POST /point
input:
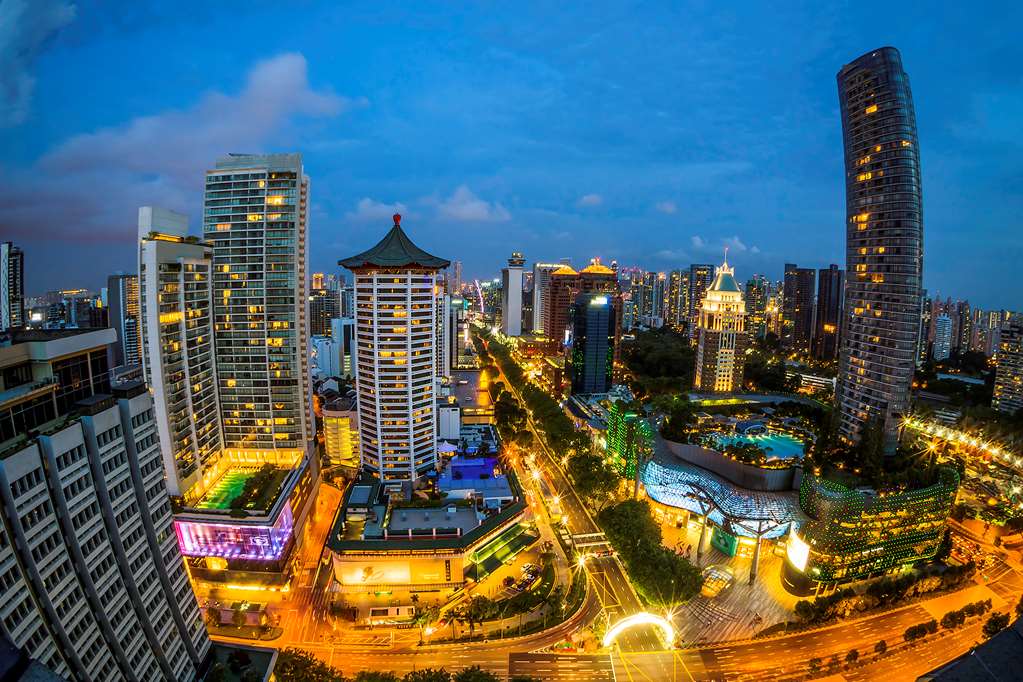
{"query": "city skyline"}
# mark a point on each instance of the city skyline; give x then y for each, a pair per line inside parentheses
(354, 131)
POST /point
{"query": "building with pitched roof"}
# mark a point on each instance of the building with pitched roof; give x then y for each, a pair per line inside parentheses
(722, 340)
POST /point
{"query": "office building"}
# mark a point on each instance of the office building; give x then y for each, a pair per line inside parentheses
(700, 276)
(721, 335)
(797, 308)
(93, 586)
(561, 291)
(942, 348)
(1008, 393)
(256, 211)
(174, 302)
(828, 319)
(923, 345)
(453, 278)
(884, 244)
(511, 296)
(456, 336)
(396, 320)
(758, 290)
(541, 291)
(591, 358)
(12, 281)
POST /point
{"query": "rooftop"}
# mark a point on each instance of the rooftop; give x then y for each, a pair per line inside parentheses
(395, 250)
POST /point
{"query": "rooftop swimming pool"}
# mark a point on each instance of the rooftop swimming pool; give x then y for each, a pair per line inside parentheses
(777, 445)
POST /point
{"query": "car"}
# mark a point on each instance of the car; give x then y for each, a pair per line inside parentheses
(509, 581)
(530, 568)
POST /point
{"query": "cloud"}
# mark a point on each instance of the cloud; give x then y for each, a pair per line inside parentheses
(668, 207)
(698, 242)
(672, 254)
(590, 200)
(368, 210)
(25, 28)
(90, 186)
(182, 143)
(464, 206)
(735, 244)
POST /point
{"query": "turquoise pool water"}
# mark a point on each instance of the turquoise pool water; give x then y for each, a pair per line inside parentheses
(776, 445)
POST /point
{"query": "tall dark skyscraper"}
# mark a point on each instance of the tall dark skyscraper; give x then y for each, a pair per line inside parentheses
(797, 308)
(700, 276)
(591, 360)
(884, 244)
(828, 321)
(123, 298)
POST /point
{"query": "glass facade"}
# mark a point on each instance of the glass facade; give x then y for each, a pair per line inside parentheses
(235, 541)
(884, 244)
(591, 359)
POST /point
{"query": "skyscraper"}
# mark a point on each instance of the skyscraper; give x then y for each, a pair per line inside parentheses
(757, 292)
(396, 319)
(678, 295)
(1008, 393)
(12, 287)
(123, 297)
(797, 308)
(93, 582)
(591, 359)
(541, 290)
(255, 217)
(942, 347)
(454, 278)
(324, 306)
(175, 300)
(884, 244)
(828, 320)
(700, 276)
(721, 335)
(511, 295)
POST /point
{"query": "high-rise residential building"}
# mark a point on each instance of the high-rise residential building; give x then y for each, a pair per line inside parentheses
(639, 298)
(700, 277)
(396, 321)
(942, 347)
(655, 286)
(561, 291)
(12, 287)
(884, 244)
(757, 292)
(591, 358)
(678, 295)
(456, 335)
(317, 281)
(93, 584)
(721, 335)
(256, 210)
(828, 320)
(541, 285)
(963, 327)
(923, 343)
(123, 311)
(511, 295)
(324, 306)
(1008, 393)
(174, 302)
(797, 308)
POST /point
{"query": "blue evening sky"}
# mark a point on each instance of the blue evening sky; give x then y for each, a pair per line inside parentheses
(653, 133)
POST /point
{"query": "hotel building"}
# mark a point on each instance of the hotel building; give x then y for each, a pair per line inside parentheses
(1008, 394)
(511, 296)
(721, 335)
(397, 315)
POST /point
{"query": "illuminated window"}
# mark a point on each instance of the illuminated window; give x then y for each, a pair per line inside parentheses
(865, 159)
(864, 176)
(223, 226)
(276, 200)
(253, 217)
(907, 143)
(871, 109)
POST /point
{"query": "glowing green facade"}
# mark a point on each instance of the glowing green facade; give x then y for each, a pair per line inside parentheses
(629, 439)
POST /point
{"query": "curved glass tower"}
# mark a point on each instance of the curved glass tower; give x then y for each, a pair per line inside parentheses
(884, 244)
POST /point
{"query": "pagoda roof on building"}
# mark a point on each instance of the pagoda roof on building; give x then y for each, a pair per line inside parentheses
(565, 270)
(597, 269)
(395, 250)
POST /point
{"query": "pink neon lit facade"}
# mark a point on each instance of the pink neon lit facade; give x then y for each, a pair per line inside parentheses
(236, 541)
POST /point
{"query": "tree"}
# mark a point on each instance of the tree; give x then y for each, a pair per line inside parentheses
(1019, 607)
(427, 675)
(815, 664)
(239, 617)
(217, 673)
(594, 479)
(374, 676)
(295, 665)
(995, 623)
(852, 657)
(425, 617)
(212, 617)
(880, 647)
(474, 611)
(475, 674)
